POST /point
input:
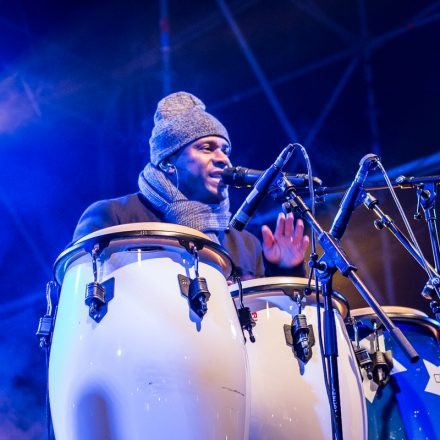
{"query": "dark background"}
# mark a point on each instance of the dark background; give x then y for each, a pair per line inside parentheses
(79, 83)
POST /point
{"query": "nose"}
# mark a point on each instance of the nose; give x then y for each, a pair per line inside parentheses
(221, 159)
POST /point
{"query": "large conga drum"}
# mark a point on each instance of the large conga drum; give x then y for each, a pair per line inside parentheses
(145, 365)
(408, 405)
(288, 395)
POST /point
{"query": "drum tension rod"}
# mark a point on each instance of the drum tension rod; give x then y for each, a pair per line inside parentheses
(244, 313)
(195, 289)
(95, 292)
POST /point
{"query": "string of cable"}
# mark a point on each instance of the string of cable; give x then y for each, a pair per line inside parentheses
(405, 220)
(312, 274)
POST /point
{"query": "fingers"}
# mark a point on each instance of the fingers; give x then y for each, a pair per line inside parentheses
(268, 238)
(288, 228)
(305, 243)
(281, 224)
(298, 234)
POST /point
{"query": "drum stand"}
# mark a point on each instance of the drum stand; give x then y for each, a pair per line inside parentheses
(333, 259)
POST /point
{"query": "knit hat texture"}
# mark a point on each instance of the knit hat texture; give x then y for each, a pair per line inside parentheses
(180, 119)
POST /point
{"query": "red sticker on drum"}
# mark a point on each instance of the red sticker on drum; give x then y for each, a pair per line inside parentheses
(255, 316)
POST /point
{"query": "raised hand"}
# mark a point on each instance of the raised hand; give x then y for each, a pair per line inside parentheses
(287, 246)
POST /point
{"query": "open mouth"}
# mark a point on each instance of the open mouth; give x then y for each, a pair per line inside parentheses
(216, 176)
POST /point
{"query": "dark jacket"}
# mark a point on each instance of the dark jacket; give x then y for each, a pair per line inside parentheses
(243, 247)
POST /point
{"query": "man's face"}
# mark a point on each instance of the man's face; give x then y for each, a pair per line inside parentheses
(199, 166)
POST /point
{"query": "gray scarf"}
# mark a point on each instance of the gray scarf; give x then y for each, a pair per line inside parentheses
(168, 199)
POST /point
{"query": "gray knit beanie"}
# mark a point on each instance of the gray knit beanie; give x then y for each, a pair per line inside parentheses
(180, 119)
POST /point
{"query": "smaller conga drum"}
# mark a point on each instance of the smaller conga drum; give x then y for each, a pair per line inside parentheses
(408, 405)
(145, 365)
(288, 395)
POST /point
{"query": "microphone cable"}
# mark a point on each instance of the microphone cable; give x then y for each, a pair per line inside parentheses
(407, 225)
(312, 274)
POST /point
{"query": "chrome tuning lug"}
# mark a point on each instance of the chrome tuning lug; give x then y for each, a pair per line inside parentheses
(382, 361)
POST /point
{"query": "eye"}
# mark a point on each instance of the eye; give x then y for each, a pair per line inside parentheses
(227, 150)
(205, 148)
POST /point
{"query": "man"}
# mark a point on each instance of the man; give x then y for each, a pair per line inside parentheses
(181, 184)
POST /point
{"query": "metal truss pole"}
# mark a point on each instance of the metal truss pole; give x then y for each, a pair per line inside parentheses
(332, 101)
(258, 72)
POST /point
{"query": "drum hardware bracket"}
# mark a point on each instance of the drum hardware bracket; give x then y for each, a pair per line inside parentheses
(300, 337)
(244, 313)
(95, 292)
(191, 245)
(246, 321)
(292, 293)
(196, 290)
(197, 293)
(364, 360)
(363, 356)
(44, 332)
(382, 366)
(46, 322)
(184, 284)
(382, 361)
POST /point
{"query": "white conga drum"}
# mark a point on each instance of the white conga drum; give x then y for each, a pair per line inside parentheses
(147, 366)
(288, 395)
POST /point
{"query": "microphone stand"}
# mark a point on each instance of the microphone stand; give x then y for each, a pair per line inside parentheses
(401, 182)
(384, 220)
(426, 194)
(333, 259)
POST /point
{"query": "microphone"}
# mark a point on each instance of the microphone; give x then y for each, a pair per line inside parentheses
(250, 205)
(241, 176)
(349, 201)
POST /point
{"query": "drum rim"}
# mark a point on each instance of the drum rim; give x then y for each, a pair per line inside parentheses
(341, 303)
(403, 314)
(153, 230)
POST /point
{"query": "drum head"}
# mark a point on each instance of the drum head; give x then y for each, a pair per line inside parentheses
(145, 237)
(290, 286)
